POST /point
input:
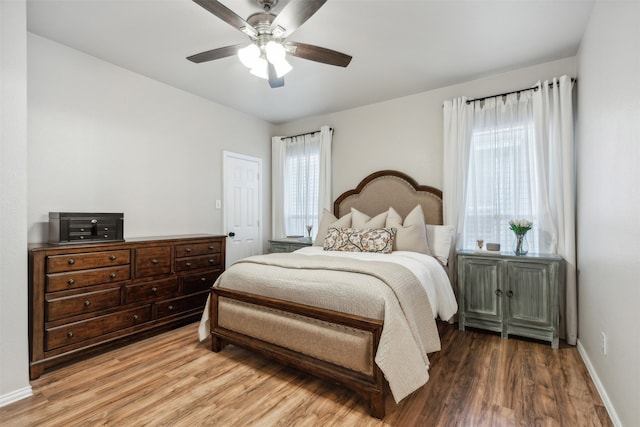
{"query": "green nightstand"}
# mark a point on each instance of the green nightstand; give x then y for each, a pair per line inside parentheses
(288, 245)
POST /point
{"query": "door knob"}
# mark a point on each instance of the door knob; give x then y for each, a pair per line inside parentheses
(231, 234)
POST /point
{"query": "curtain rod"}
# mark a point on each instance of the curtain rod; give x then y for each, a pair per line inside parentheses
(303, 134)
(469, 101)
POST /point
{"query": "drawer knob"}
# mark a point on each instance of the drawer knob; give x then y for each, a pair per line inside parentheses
(154, 290)
(211, 261)
(87, 303)
(154, 261)
(81, 237)
(71, 281)
(106, 236)
(69, 334)
(498, 292)
(204, 279)
(509, 294)
(187, 250)
(71, 260)
(94, 221)
(82, 229)
(211, 247)
(113, 275)
(135, 317)
(170, 307)
(188, 264)
(106, 229)
(112, 257)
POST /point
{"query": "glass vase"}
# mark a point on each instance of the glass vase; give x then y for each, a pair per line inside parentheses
(520, 244)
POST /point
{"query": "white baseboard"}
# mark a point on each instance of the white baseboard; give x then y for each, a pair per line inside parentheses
(15, 395)
(601, 390)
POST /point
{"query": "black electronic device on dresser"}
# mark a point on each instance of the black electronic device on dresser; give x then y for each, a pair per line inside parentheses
(81, 227)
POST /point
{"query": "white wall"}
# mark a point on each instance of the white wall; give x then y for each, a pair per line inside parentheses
(406, 133)
(609, 202)
(14, 351)
(104, 139)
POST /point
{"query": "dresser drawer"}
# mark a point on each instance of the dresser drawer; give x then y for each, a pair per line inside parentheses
(80, 331)
(181, 305)
(86, 261)
(167, 288)
(199, 282)
(79, 279)
(59, 308)
(153, 261)
(198, 249)
(195, 262)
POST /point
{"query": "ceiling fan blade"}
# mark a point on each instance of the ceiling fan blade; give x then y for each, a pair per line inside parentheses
(274, 80)
(295, 14)
(318, 54)
(228, 16)
(210, 55)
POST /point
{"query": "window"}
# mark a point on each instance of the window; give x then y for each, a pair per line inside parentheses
(301, 180)
(501, 184)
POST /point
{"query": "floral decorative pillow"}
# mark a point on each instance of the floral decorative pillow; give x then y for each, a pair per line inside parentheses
(378, 240)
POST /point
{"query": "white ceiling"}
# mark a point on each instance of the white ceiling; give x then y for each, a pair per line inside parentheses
(398, 47)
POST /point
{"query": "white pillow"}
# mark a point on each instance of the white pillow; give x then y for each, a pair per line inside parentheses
(411, 234)
(329, 220)
(362, 220)
(440, 238)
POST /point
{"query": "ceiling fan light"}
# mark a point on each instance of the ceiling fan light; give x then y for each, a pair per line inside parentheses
(282, 67)
(249, 55)
(275, 52)
(260, 69)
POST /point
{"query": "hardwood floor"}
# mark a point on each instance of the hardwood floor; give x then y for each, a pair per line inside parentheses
(477, 379)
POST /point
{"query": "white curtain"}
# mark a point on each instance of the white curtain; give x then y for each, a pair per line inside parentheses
(457, 143)
(301, 180)
(520, 145)
(554, 123)
(325, 195)
(277, 187)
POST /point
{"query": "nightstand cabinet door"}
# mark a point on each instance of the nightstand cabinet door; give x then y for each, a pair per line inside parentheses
(532, 303)
(482, 294)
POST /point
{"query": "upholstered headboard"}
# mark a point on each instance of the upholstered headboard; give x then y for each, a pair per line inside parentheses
(389, 188)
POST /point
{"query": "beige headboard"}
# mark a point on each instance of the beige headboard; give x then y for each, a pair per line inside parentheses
(382, 189)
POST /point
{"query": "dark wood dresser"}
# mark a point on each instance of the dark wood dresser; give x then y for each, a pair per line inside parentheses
(84, 298)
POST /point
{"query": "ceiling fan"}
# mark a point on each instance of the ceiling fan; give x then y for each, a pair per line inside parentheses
(266, 55)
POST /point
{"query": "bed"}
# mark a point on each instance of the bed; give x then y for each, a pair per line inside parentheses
(356, 318)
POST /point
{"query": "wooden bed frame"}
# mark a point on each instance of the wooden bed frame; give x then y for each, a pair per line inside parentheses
(372, 196)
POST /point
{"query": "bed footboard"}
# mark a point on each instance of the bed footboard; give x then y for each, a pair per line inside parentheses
(324, 343)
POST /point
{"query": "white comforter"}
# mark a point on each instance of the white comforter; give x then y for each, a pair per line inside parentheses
(426, 268)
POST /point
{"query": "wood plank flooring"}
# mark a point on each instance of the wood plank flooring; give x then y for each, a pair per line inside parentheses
(477, 379)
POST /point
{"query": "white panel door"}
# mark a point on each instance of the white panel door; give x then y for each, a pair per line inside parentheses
(242, 205)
